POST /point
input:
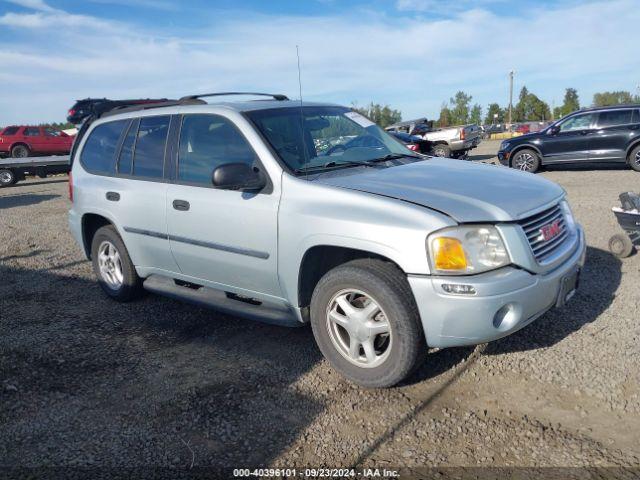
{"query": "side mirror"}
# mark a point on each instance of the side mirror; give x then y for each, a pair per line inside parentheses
(237, 176)
(554, 130)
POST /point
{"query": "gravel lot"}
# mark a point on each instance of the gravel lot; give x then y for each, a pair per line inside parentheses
(85, 381)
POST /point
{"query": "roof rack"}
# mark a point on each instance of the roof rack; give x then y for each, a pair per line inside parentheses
(275, 96)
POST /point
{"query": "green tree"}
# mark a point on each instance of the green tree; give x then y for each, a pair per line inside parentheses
(604, 99)
(571, 103)
(493, 110)
(530, 108)
(476, 115)
(445, 116)
(383, 115)
(460, 108)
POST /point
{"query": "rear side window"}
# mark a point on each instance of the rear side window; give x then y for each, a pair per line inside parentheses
(148, 157)
(31, 132)
(99, 150)
(206, 142)
(10, 130)
(615, 117)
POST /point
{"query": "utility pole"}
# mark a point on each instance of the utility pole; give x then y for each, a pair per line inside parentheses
(511, 99)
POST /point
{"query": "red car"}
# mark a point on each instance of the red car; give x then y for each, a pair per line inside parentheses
(25, 141)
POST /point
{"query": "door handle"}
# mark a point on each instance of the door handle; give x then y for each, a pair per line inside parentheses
(181, 205)
(113, 196)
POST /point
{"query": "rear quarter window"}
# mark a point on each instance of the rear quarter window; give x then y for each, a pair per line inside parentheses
(98, 153)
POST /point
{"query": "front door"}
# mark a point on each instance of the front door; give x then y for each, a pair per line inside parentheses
(571, 143)
(225, 237)
(611, 137)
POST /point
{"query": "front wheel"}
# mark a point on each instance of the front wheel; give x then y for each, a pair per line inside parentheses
(634, 159)
(7, 177)
(526, 160)
(113, 267)
(366, 323)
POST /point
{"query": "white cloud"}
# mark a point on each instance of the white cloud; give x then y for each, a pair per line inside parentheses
(33, 5)
(411, 63)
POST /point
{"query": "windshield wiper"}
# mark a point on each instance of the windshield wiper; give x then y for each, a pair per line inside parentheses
(394, 156)
(333, 164)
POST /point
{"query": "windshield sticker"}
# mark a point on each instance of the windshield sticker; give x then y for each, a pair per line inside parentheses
(361, 120)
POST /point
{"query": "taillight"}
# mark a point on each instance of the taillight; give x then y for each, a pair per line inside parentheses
(414, 147)
(462, 134)
(71, 187)
(72, 112)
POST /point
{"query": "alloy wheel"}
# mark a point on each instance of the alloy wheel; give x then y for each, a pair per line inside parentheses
(524, 161)
(110, 265)
(358, 328)
(637, 159)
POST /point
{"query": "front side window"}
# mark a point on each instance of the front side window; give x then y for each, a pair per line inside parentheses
(579, 122)
(31, 132)
(206, 142)
(148, 157)
(615, 117)
(318, 136)
(99, 150)
(52, 132)
(10, 131)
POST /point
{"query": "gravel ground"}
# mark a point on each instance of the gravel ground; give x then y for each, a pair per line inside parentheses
(85, 381)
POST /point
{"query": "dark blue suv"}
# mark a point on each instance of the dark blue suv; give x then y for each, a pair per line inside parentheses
(598, 135)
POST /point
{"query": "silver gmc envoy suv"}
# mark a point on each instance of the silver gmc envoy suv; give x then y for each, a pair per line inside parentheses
(291, 212)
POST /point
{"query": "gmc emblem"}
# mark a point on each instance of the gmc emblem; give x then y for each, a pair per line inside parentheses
(551, 230)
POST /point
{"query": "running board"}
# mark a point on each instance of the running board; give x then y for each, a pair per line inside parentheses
(225, 302)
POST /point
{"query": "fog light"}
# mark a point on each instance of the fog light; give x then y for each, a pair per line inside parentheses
(458, 289)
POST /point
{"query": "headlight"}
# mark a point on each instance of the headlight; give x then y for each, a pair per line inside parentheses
(568, 216)
(504, 145)
(466, 250)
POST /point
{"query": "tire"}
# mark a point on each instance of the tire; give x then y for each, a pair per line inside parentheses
(620, 245)
(20, 151)
(390, 357)
(634, 159)
(441, 150)
(7, 177)
(526, 160)
(113, 267)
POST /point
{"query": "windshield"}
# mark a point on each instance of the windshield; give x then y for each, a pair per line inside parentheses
(310, 137)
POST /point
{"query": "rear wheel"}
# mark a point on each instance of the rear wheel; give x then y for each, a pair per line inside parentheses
(7, 177)
(366, 323)
(441, 150)
(526, 160)
(113, 267)
(20, 151)
(634, 159)
(620, 245)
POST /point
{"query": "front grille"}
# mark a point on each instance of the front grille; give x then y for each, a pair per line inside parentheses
(541, 248)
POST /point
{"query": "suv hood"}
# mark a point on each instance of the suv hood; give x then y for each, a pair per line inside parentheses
(467, 192)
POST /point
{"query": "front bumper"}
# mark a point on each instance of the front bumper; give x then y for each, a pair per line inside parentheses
(451, 320)
(503, 157)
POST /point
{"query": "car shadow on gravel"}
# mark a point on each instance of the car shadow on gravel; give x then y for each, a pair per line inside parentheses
(92, 382)
(599, 282)
(23, 200)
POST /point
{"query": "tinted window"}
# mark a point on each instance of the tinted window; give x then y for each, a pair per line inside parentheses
(125, 161)
(100, 148)
(615, 117)
(10, 131)
(51, 132)
(206, 142)
(31, 132)
(148, 159)
(578, 122)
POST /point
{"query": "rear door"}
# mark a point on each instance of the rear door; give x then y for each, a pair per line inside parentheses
(34, 138)
(612, 134)
(572, 142)
(225, 237)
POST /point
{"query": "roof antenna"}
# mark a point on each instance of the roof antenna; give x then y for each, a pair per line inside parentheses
(304, 143)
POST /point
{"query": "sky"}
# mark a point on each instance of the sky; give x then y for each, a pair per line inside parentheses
(410, 54)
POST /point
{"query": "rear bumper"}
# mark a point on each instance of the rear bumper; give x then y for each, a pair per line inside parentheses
(75, 225)
(451, 320)
(457, 145)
